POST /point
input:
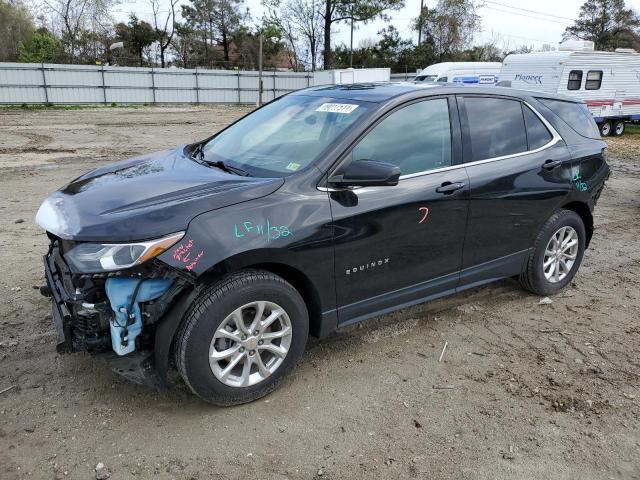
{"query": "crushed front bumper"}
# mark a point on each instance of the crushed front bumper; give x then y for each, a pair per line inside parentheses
(81, 314)
(59, 310)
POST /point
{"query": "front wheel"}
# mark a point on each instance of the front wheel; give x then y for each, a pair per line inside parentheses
(242, 336)
(556, 254)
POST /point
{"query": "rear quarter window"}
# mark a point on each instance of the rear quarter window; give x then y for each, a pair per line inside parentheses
(576, 115)
(537, 134)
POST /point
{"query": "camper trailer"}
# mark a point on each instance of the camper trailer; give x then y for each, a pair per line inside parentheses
(485, 73)
(608, 82)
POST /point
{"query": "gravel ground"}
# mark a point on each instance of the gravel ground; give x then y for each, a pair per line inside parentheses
(524, 390)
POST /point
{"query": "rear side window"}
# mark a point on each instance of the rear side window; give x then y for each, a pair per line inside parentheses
(496, 127)
(415, 138)
(576, 115)
(594, 80)
(537, 134)
(575, 80)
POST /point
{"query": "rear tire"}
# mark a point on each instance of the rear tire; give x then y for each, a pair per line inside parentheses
(556, 254)
(227, 351)
(605, 128)
(618, 128)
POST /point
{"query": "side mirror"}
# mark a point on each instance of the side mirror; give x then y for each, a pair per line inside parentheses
(367, 173)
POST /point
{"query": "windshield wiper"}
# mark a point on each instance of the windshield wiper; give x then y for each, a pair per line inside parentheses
(227, 168)
(198, 154)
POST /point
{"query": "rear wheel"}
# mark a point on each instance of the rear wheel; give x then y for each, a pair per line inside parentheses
(556, 255)
(242, 337)
(605, 128)
(618, 128)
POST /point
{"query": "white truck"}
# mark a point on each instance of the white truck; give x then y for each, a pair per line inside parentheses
(346, 76)
(608, 82)
(485, 73)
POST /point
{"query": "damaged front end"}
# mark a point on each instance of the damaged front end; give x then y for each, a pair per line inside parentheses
(111, 312)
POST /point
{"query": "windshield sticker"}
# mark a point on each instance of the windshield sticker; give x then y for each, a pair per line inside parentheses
(293, 166)
(336, 108)
(268, 230)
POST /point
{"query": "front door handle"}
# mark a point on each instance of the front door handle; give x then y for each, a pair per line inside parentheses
(448, 188)
(551, 164)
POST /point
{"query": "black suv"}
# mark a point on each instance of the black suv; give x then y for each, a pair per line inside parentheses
(321, 209)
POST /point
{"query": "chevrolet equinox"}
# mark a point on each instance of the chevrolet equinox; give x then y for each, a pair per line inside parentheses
(323, 208)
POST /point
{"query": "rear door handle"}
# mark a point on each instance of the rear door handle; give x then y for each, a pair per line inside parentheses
(551, 164)
(448, 188)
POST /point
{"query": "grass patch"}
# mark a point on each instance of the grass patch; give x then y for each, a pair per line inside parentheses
(49, 106)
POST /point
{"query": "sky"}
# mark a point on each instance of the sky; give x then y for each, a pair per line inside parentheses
(510, 23)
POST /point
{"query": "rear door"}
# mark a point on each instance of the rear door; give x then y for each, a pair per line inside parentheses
(395, 245)
(519, 172)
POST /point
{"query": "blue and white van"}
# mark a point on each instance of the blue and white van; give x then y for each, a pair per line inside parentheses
(485, 73)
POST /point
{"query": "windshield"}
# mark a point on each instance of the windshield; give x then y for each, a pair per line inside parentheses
(284, 136)
(426, 78)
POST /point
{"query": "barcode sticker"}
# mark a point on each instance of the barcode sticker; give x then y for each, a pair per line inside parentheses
(337, 107)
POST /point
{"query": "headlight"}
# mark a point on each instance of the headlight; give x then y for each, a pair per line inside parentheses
(104, 257)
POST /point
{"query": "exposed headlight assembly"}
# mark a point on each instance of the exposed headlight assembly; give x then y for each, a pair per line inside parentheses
(107, 257)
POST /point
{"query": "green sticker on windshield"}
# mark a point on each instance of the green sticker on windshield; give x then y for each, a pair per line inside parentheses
(293, 166)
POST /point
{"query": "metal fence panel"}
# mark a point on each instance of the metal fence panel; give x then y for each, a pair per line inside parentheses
(69, 84)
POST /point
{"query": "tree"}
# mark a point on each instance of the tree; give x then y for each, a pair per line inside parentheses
(217, 21)
(186, 45)
(360, 11)
(450, 26)
(16, 26)
(607, 23)
(164, 31)
(301, 26)
(72, 16)
(137, 36)
(42, 47)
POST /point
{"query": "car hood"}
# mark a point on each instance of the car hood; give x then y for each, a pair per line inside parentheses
(144, 197)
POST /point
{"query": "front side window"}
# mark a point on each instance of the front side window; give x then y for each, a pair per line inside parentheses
(575, 80)
(284, 136)
(537, 134)
(594, 80)
(415, 138)
(443, 79)
(496, 127)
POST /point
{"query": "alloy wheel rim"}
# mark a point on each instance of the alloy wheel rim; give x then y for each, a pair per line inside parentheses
(561, 254)
(250, 344)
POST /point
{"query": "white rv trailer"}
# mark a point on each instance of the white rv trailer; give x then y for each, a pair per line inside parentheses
(461, 72)
(608, 82)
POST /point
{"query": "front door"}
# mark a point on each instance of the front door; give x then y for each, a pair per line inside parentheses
(396, 245)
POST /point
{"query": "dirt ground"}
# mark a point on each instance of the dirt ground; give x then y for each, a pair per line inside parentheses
(524, 390)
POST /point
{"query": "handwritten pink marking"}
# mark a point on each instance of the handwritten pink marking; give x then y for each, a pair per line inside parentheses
(426, 212)
(183, 254)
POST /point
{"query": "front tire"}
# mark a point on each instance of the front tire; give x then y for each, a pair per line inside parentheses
(556, 255)
(241, 337)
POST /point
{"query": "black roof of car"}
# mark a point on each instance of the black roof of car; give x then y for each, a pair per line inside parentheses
(381, 92)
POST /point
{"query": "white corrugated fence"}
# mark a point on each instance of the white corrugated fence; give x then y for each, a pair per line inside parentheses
(34, 83)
